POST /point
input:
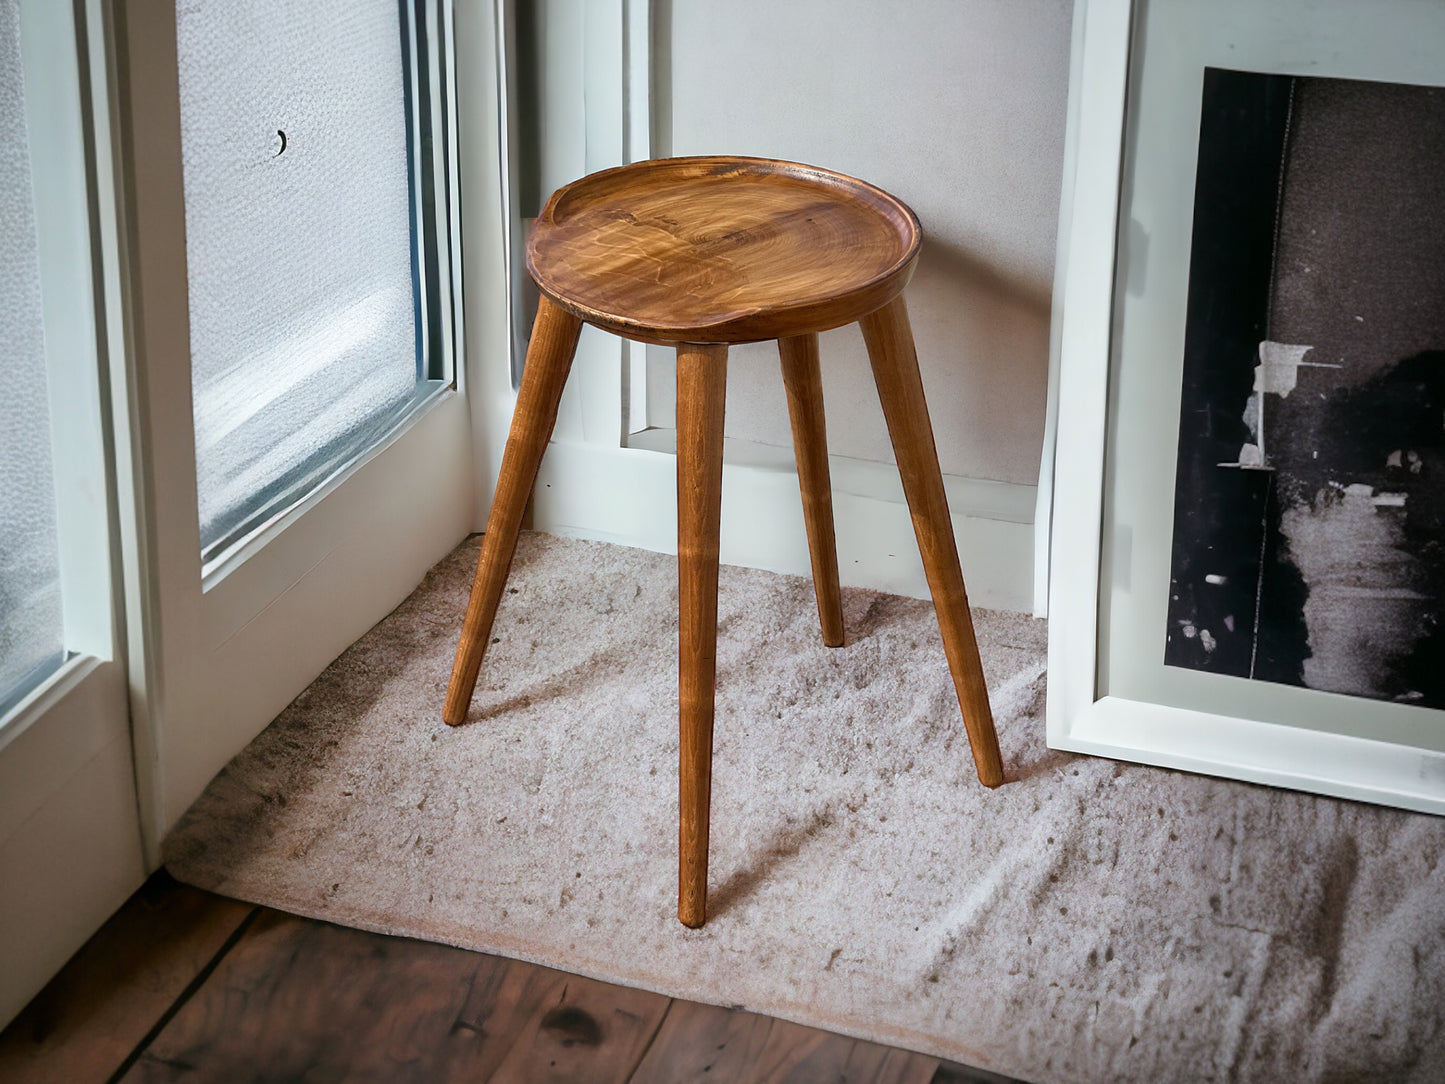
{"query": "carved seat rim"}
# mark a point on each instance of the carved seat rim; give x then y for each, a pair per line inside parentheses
(784, 317)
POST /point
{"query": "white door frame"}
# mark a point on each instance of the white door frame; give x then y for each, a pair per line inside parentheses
(216, 657)
(70, 842)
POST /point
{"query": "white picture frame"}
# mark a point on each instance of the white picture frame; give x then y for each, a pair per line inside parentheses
(1382, 752)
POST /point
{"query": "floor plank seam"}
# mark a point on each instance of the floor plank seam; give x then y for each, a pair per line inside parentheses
(184, 996)
(661, 1023)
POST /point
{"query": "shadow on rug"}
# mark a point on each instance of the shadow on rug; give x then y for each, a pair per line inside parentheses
(1088, 921)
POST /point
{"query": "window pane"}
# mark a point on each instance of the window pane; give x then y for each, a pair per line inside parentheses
(30, 622)
(299, 245)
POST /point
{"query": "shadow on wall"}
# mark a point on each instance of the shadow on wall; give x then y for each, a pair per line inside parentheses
(983, 348)
(971, 275)
(983, 345)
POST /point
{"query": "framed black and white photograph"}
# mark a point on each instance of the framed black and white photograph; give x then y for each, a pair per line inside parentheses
(1309, 502)
(1248, 537)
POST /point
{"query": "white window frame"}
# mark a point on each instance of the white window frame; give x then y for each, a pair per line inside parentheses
(79, 776)
(66, 770)
(217, 653)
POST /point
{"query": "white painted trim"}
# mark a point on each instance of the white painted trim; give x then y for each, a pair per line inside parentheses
(70, 842)
(51, 905)
(976, 497)
(443, 59)
(1279, 756)
(126, 418)
(487, 172)
(604, 84)
(1044, 513)
(36, 705)
(57, 151)
(629, 496)
(596, 385)
(220, 663)
(1084, 359)
(1078, 717)
(606, 397)
(637, 72)
(241, 588)
(637, 147)
(53, 731)
(234, 560)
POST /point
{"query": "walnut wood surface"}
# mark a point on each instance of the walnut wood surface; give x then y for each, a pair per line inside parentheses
(301, 1000)
(803, 382)
(721, 249)
(701, 392)
(795, 1054)
(900, 389)
(105, 1001)
(549, 359)
(706, 1044)
(581, 1029)
(298, 1000)
(185, 985)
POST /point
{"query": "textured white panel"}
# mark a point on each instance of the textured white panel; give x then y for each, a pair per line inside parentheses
(299, 259)
(30, 629)
(958, 108)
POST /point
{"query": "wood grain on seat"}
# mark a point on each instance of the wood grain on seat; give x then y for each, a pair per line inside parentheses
(721, 249)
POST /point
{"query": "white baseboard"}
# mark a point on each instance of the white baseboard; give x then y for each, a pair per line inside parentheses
(629, 496)
(70, 845)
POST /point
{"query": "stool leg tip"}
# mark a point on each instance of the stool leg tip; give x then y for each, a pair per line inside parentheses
(992, 779)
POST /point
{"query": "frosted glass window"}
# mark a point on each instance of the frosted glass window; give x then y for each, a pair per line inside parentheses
(30, 619)
(299, 245)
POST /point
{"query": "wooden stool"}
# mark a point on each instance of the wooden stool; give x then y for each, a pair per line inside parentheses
(698, 253)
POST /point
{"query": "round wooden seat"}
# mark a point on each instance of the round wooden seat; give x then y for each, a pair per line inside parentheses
(722, 249)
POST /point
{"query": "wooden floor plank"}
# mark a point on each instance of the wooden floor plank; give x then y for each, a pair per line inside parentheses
(221, 990)
(296, 998)
(950, 1072)
(704, 1043)
(888, 1065)
(582, 1030)
(727, 1046)
(500, 1002)
(94, 1013)
(795, 1054)
(522, 1013)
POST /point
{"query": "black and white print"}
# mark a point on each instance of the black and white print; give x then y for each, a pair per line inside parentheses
(1309, 515)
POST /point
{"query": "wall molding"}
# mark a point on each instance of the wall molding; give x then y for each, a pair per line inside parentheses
(629, 496)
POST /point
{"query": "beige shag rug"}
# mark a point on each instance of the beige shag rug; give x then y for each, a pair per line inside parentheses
(1089, 921)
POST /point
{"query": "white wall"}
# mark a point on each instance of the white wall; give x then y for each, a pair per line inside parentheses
(957, 107)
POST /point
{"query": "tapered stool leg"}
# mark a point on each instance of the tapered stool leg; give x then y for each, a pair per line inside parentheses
(804, 384)
(549, 358)
(701, 390)
(895, 369)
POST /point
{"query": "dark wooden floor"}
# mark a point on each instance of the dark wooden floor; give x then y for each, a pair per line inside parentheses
(184, 985)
